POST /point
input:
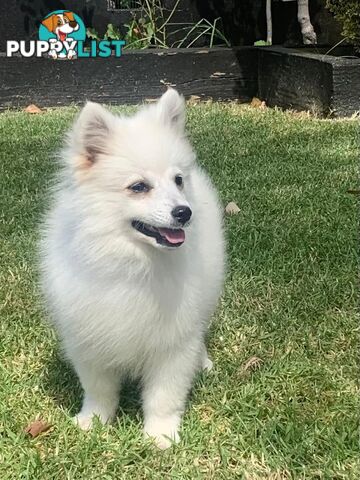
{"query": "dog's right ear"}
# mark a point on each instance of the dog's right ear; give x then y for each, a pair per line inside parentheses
(90, 135)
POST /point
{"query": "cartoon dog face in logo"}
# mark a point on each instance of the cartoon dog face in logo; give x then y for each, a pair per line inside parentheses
(61, 25)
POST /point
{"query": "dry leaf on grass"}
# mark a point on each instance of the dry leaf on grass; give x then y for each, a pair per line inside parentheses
(253, 363)
(37, 427)
(33, 109)
(257, 103)
(232, 209)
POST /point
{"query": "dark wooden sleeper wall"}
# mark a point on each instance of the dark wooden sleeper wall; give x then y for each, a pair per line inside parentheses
(283, 77)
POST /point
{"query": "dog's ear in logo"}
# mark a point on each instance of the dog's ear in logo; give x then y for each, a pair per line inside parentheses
(50, 23)
(73, 23)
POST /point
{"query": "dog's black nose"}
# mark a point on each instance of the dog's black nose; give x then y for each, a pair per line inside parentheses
(182, 214)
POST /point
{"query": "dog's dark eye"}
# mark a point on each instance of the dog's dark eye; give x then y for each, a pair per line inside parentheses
(139, 187)
(179, 180)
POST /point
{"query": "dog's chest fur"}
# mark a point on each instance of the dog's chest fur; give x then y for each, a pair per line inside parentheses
(129, 319)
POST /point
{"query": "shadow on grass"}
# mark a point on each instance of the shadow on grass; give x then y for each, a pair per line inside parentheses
(63, 386)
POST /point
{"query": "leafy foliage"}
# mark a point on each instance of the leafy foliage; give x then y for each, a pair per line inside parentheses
(348, 13)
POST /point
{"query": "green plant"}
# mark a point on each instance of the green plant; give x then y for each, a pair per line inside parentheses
(149, 28)
(203, 28)
(92, 34)
(112, 33)
(348, 14)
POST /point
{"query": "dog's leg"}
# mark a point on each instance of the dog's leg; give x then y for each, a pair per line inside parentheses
(207, 364)
(101, 395)
(53, 54)
(70, 47)
(166, 385)
(71, 54)
(52, 51)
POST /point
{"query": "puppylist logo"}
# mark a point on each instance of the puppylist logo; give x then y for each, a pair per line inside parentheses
(62, 35)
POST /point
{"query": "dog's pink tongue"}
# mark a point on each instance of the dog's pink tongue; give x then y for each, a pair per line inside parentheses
(173, 236)
(62, 36)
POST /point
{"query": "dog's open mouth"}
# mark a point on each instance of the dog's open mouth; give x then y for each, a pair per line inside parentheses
(62, 36)
(169, 237)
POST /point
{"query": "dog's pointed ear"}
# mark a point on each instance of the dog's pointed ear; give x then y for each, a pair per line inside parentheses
(49, 23)
(171, 109)
(70, 16)
(91, 132)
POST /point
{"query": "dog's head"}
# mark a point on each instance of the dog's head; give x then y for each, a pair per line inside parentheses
(61, 24)
(134, 173)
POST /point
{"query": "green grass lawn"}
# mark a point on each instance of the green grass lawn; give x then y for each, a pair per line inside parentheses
(290, 300)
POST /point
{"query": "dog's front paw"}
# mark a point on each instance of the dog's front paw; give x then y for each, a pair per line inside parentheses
(207, 364)
(164, 432)
(83, 420)
(71, 54)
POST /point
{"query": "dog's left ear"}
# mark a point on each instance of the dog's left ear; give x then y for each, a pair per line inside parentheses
(171, 109)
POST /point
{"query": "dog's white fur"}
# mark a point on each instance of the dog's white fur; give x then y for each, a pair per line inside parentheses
(122, 303)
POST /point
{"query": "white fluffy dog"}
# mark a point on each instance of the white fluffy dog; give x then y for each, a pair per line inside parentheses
(133, 261)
